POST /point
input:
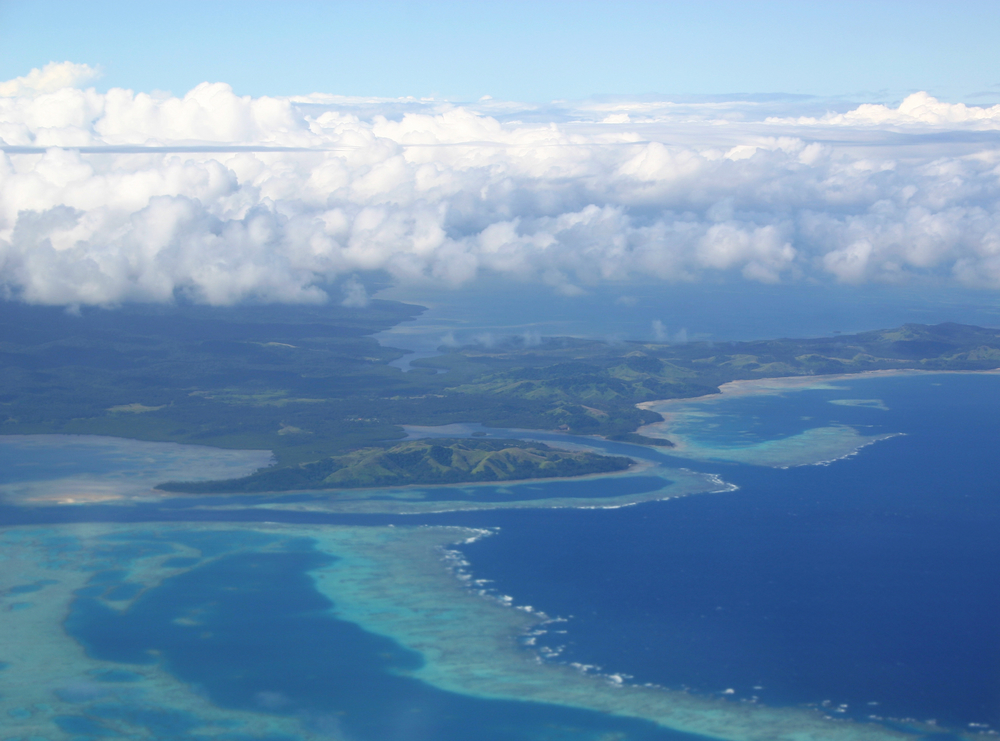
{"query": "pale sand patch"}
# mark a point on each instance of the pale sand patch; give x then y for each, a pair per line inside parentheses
(866, 403)
(134, 408)
(132, 467)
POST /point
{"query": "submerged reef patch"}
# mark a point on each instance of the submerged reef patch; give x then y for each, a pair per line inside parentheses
(729, 426)
(869, 403)
(382, 611)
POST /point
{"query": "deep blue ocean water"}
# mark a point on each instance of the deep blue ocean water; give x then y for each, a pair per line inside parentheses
(869, 580)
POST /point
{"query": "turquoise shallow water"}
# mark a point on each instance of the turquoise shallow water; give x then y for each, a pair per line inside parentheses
(250, 630)
(48, 457)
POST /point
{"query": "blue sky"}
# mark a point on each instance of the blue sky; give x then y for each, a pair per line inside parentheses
(528, 51)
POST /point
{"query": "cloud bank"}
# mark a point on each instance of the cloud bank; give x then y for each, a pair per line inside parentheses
(221, 198)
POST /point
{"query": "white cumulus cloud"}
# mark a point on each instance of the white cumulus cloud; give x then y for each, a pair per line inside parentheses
(916, 109)
(50, 78)
(128, 196)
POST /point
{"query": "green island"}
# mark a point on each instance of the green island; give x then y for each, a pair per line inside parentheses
(310, 384)
(438, 461)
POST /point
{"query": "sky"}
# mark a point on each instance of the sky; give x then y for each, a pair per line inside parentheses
(527, 51)
(223, 152)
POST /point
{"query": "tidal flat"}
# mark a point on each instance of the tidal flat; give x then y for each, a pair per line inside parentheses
(81, 469)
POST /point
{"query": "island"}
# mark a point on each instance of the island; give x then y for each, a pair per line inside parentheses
(435, 461)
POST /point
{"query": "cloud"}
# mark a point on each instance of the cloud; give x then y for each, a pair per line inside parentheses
(659, 331)
(50, 78)
(917, 109)
(355, 295)
(267, 199)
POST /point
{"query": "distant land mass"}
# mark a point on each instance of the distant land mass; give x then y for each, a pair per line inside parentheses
(435, 461)
(310, 384)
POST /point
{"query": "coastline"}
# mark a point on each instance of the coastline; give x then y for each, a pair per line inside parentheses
(835, 443)
(118, 487)
(776, 384)
(814, 446)
(677, 482)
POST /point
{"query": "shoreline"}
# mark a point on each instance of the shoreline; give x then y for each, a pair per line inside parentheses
(677, 482)
(54, 439)
(750, 386)
(814, 446)
(89, 492)
(88, 489)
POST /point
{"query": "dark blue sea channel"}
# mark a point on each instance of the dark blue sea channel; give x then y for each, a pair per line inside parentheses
(870, 582)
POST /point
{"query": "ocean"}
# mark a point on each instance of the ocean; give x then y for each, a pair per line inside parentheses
(866, 586)
(863, 586)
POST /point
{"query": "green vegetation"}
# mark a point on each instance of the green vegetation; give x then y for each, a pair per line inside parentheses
(310, 384)
(435, 461)
(591, 387)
